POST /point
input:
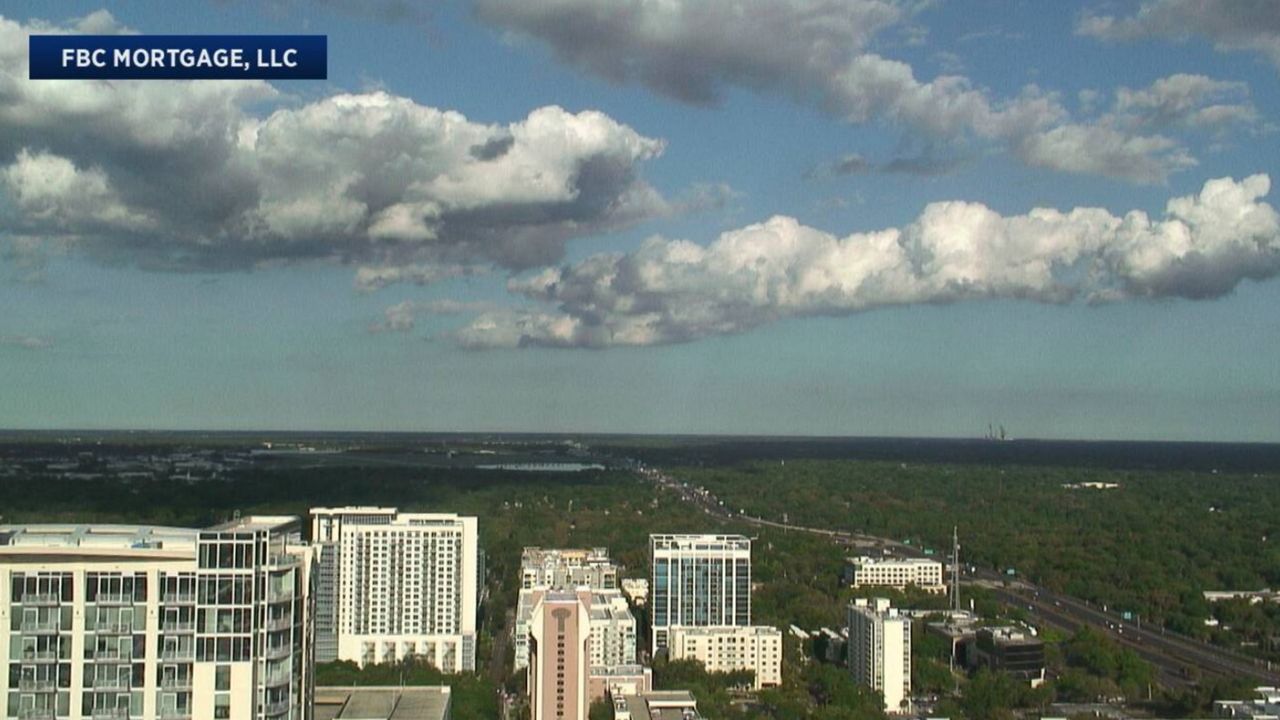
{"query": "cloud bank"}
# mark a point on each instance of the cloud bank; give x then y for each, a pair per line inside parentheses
(1240, 25)
(674, 291)
(195, 176)
(819, 53)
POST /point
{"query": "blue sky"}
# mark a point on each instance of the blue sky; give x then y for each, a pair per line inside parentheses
(781, 217)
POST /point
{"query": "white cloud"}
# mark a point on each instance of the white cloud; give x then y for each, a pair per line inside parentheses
(817, 52)
(1194, 100)
(671, 291)
(403, 316)
(191, 175)
(1240, 25)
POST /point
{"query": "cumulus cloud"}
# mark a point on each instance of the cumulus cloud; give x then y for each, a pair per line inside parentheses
(818, 52)
(1242, 25)
(403, 316)
(1184, 99)
(195, 176)
(673, 291)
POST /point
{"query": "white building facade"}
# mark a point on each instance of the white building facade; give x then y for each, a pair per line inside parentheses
(895, 573)
(757, 648)
(699, 581)
(396, 585)
(880, 650)
(114, 621)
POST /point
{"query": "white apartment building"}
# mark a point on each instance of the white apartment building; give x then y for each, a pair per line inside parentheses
(699, 581)
(880, 650)
(613, 627)
(895, 573)
(156, 623)
(568, 568)
(613, 630)
(396, 585)
(757, 648)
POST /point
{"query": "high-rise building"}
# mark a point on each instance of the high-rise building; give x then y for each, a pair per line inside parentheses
(880, 650)
(699, 581)
(156, 623)
(396, 585)
(757, 648)
(559, 655)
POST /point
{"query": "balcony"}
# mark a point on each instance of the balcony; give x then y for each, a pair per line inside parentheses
(109, 655)
(109, 683)
(178, 599)
(115, 628)
(279, 596)
(113, 599)
(41, 599)
(178, 654)
(175, 683)
(46, 627)
(34, 685)
(273, 709)
(116, 713)
(178, 627)
(40, 656)
(276, 624)
(279, 652)
(277, 679)
(36, 714)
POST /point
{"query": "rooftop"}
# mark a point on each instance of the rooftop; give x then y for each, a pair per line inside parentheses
(97, 536)
(255, 523)
(385, 703)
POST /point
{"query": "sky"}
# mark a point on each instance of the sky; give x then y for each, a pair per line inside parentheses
(779, 217)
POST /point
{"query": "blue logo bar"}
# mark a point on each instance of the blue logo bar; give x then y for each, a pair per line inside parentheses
(179, 57)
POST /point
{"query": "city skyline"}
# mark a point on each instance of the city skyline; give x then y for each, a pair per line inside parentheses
(871, 218)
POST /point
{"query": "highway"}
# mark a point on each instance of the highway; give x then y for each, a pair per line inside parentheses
(1179, 660)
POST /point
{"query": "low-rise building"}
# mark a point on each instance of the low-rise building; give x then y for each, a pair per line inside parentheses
(757, 648)
(1009, 650)
(894, 572)
(657, 705)
(637, 589)
(1266, 706)
(615, 680)
(383, 703)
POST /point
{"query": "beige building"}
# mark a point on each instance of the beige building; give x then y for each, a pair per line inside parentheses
(757, 648)
(880, 650)
(116, 621)
(395, 585)
(895, 573)
(559, 651)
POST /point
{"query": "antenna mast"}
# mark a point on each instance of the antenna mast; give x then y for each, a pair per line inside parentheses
(955, 568)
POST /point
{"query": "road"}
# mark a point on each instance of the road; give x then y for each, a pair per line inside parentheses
(1179, 660)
